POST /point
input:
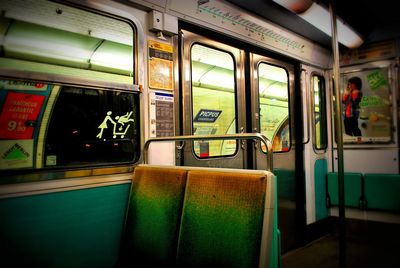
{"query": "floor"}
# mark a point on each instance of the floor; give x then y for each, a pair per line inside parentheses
(368, 244)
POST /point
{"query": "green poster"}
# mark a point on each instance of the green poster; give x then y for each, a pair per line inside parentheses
(376, 79)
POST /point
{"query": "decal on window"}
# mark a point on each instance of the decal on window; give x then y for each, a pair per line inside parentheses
(120, 125)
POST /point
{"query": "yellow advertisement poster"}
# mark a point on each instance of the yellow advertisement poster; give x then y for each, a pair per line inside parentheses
(160, 65)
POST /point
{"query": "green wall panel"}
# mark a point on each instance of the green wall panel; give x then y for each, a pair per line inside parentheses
(320, 171)
(79, 228)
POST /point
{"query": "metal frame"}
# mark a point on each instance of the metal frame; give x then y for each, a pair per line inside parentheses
(242, 136)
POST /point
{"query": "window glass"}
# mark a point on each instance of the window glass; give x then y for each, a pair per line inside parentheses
(367, 106)
(86, 114)
(45, 37)
(273, 88)
(47, 125)
(320, 139)
(92, 126)
(213, 95)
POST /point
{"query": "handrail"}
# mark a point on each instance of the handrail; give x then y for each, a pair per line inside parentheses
(241, 136)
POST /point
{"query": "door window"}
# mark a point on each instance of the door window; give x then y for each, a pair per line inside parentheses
(213, 100)
(274, 105)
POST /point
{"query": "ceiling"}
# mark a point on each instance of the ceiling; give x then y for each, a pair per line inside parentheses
(373, 20)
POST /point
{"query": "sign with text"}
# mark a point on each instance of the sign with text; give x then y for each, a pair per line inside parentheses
(207, 116)
(160, 65)
(161, 114)
(20, 111)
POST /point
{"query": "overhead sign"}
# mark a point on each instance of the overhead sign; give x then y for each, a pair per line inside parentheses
(207, 116)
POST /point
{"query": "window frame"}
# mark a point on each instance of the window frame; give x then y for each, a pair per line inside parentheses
(324, 128)
(50, 173)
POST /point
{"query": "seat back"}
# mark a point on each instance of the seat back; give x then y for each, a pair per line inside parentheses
(353, 189)
(382, 191)
(227, 219)
(153, 219)
(201, 217)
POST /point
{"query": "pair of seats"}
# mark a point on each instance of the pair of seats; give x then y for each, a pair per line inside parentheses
(201, 217)
(366, 191)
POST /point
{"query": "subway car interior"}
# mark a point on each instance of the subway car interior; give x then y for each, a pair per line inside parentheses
(199, 133)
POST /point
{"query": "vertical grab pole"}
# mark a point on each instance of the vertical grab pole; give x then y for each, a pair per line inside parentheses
(339, 135)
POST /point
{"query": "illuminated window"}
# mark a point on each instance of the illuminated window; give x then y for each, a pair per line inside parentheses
(213, 95)
(71, 101)
(320, 139)
(67, 43)
(274, 105)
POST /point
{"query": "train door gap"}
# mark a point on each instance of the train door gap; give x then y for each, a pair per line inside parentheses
(299, 163)
(249, 127)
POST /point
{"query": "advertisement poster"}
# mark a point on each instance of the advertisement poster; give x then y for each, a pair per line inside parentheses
(160, 66)
(18, 116)
(374, 114)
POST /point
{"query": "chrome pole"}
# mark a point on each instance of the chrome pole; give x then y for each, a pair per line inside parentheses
(339, 135)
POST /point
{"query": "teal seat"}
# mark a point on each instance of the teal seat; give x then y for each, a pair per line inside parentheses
(382, 191)
(286, 180)
(153, 219)
(353, 189)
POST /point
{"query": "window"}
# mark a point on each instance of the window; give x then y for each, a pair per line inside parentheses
(320, 139)
(66, 43)
(71, 101)
(47, 125)
(274, 105)
(213, 100)
(92, 126)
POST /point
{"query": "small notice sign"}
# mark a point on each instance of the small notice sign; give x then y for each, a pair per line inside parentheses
(19, 112)
(160, 66)
(207, 116)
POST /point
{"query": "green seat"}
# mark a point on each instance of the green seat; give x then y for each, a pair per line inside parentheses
(286, 180)
(223, 218)
(353, 189)
(382, 191)
(154, 216)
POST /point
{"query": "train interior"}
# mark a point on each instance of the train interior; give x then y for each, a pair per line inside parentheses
(198, 133)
